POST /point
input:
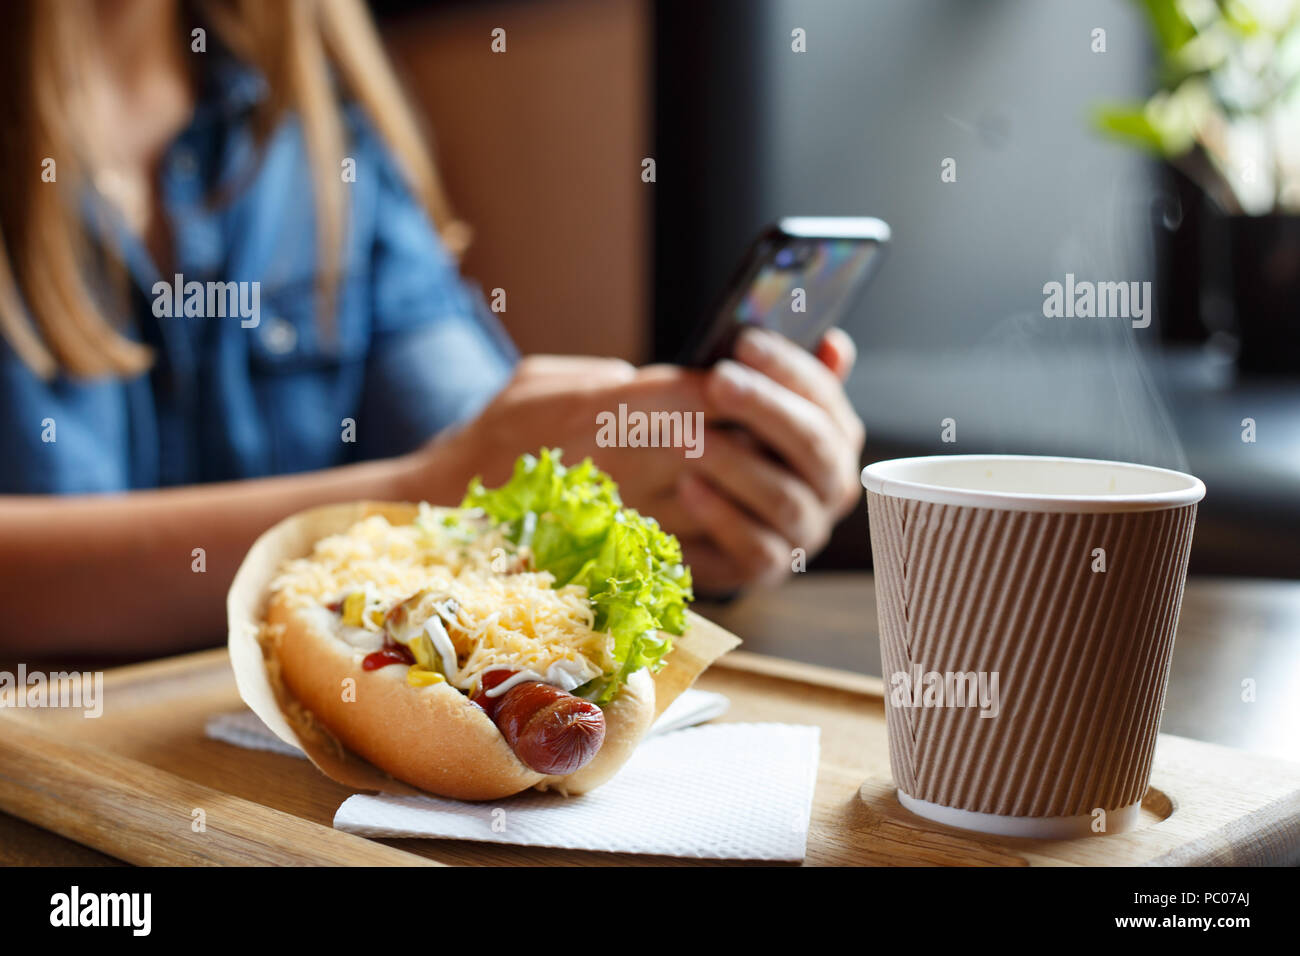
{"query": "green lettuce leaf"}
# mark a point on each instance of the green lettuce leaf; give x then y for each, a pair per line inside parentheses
(575, 523)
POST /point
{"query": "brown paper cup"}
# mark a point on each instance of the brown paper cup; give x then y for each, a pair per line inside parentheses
(295, 537)
(1027, 609)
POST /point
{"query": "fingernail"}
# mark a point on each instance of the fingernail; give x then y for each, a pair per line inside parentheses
(754, 345)
(732, 379)
(688, 486)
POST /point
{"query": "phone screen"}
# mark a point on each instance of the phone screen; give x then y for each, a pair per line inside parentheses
(801, 286)
(798, 278)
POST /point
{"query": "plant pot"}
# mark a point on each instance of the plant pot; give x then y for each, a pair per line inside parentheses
(1263, 282)
(1177, 220)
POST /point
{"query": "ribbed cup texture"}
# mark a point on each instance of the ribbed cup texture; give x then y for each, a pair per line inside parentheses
(1082, 656)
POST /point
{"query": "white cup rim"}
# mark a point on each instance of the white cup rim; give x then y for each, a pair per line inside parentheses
(894, 477)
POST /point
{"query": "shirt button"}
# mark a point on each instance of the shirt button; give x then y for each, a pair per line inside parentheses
(185, 162)
(279, 336)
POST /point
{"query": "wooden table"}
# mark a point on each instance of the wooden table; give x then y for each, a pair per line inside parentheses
(1230, 631)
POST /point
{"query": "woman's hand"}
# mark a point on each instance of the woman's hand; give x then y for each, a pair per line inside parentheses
(554, 401)
(745, 500)
(755, 496)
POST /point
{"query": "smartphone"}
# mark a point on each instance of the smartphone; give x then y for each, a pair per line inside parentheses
(799, 278)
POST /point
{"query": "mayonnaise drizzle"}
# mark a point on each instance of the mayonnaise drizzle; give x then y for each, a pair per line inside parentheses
(442, 644)
(561, 674)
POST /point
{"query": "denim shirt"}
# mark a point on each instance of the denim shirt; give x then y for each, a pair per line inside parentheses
(413, 348)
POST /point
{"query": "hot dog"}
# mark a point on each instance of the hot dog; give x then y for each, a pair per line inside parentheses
(449, 654)
(386, 706)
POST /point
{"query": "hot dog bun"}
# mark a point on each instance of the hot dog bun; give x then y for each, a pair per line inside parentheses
(431, 737)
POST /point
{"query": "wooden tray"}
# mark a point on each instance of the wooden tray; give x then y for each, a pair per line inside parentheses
(129, 784)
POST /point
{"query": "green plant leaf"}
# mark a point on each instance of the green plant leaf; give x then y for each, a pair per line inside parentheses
(1169, 26)
(1129, 124)
(579, 531)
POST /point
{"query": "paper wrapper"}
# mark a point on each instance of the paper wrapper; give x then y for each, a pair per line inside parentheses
(1082, 655)
(295, 537)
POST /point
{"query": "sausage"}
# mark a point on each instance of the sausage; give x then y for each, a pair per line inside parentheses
(549, 730)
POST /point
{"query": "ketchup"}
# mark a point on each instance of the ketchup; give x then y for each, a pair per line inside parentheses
(485, 684)
(388, 654)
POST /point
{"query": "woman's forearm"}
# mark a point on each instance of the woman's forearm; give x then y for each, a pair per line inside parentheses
(122, 573)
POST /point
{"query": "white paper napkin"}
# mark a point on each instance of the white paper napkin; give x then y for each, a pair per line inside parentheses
(726, 791)
(243, 728)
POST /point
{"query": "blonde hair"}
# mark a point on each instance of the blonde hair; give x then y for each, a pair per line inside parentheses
(306, 49)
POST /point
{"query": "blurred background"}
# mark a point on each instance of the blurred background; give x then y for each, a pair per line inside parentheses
(1120, 140)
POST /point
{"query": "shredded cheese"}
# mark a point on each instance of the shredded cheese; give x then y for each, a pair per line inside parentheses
(499, 619)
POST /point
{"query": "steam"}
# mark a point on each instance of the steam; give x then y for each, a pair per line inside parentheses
(1089, 380)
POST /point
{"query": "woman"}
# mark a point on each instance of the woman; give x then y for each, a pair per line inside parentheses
(261, 154)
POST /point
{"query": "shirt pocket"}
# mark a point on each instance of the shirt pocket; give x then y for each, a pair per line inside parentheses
(290, 335)
(308, 376)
